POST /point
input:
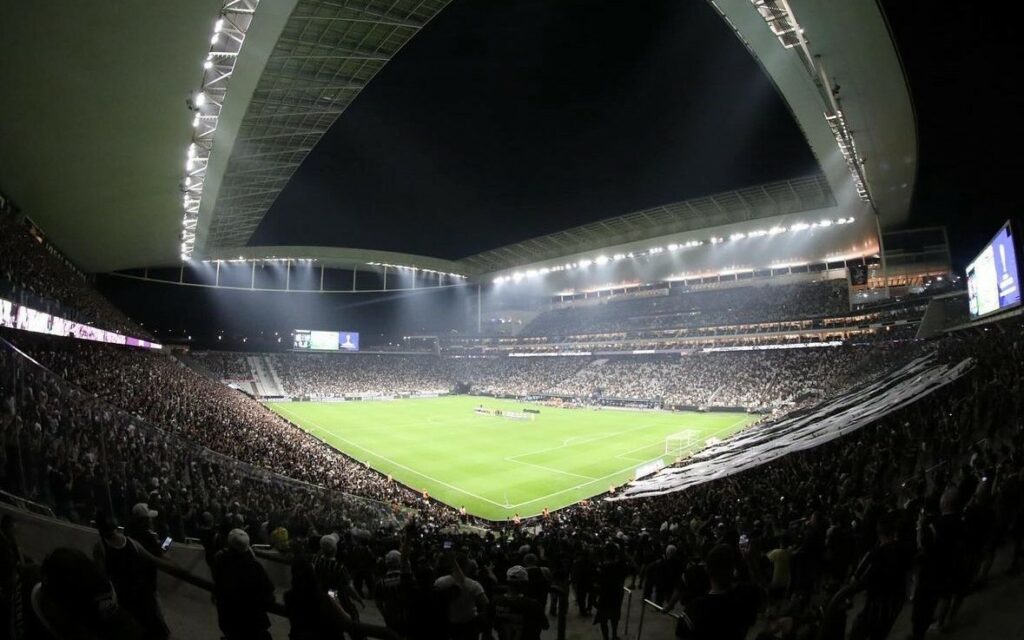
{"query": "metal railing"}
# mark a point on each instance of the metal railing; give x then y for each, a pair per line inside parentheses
(650, 604)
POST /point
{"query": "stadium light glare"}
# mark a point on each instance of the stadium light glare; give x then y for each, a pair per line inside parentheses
(776, 230)
(799, 226)
(618, 256)
(737, 236)
(825, 223)
(757, 233)
(208, 64)
(715, 240)
(200, 99)
(586, 262)
(215, 39)
(601, 260)
(218, 26)
(195, 121)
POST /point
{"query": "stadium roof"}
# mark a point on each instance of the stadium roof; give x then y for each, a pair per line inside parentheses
(762, 201)
(99, 146)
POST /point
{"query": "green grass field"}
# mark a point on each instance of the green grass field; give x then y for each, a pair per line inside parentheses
(496, 466)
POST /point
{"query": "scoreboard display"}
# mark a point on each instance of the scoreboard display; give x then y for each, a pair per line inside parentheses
(309, 340)
(993, 280)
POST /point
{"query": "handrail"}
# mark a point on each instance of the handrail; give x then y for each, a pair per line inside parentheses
(643, 609)
(26, 504)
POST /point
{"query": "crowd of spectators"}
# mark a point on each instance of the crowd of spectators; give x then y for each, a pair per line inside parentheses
(685, 307)
(337, 375)
(758, 379)
(166, 434)
(764, 380)
(826, 543)
(34, 274)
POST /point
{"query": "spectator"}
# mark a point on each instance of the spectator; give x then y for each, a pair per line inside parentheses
(722, 613)
(69, 598)
(313, 613)
(465, 598)
(242, 589)
(883, 574)
(132, 572)
(394, 593)
(516, 615)
(611, 578)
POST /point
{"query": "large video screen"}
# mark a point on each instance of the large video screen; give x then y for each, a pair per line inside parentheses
(307, 340)
(992, 278)
(16, 316)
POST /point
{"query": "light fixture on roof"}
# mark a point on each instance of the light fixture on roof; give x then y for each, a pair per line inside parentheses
(208, 64)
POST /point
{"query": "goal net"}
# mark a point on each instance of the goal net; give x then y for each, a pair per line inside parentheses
(679, 444)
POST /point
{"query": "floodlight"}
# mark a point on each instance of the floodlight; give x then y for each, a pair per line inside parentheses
(200, 99)
(497, 280)
(215, 39)
(544, 271)
(757, 233)
(208, 64)
(715, 240)
(799, 226)
(825, 223)
(618, 256)
(601, 260)
(218, 26)
(584, 263)
(673, 247)
(737, 236)
(195, 121)
(776, 230)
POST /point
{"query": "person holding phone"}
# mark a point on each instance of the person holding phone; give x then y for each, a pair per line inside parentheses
(133, 573)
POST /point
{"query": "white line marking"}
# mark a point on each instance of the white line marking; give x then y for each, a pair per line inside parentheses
(488, 500)
(397, 464)
(550, 469)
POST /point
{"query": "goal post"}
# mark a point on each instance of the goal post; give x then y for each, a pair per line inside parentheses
(679, 444)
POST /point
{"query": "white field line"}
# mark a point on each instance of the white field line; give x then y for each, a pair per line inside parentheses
(513, 506)
(390, 461)
(549, 469)
(610, 475)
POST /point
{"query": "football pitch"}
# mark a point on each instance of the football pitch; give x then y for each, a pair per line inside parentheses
(497, 466)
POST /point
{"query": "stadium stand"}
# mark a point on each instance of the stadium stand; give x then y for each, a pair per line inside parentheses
(933, 487)
(34, 274)
(683, 307)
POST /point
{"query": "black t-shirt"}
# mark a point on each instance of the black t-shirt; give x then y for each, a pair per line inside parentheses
(884, 568)
(714, 616)
(394, 594)
(517, 617)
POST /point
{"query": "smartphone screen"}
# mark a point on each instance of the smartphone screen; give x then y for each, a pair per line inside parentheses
(166, 543)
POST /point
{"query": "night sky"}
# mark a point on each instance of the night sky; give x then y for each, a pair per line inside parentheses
(502, 121)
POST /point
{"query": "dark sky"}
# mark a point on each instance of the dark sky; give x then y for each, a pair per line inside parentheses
(506, 120)
(963, 68)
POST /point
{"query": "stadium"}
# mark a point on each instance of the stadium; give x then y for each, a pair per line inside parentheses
(443, 319)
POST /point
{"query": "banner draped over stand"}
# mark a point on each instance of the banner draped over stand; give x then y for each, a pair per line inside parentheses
(826, 422)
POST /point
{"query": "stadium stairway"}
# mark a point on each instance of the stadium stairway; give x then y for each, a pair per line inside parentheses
(265, 377)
